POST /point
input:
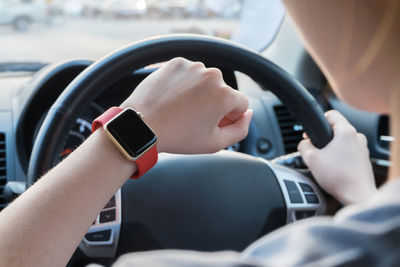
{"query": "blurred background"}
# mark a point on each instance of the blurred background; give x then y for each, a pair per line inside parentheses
(52, 30)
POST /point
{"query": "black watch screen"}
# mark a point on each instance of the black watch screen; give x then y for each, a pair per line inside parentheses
(131, 132)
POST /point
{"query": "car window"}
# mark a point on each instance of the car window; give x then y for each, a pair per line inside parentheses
(54, 30)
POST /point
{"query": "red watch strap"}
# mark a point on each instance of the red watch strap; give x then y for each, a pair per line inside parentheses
(143, 163)
(105, 117)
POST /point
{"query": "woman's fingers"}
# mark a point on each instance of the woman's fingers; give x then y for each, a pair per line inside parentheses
(235, 131)
(306, 149)
(237, 104)
(334, 117)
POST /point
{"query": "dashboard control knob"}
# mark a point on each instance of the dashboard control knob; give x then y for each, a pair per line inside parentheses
(263, 146)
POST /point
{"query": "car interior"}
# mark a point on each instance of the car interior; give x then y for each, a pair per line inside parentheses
(221, 201)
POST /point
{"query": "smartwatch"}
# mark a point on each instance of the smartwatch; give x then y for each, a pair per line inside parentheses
(131, 135)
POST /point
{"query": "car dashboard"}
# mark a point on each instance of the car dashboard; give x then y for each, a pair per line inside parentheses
(274, 131)
(25, 98)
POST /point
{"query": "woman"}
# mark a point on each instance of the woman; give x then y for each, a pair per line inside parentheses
(355, 42)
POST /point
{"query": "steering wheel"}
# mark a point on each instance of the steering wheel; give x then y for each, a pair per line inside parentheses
(204, 202)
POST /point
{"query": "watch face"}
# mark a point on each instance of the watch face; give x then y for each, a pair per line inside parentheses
(131, 132)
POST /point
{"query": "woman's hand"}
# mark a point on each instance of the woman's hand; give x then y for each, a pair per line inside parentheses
(343, 167)
(190, 108)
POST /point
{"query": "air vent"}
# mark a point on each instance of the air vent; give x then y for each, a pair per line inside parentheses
(383, 132)
(291, 129)
(3, 169)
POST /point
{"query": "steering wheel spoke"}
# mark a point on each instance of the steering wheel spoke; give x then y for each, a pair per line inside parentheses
(293, 160)
(102, 238)
(302, 196)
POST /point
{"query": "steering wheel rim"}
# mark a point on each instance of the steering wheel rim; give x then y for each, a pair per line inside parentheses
(101, 74)
(266, 204)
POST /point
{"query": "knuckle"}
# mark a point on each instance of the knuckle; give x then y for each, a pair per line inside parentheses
(223, 90)
(332, 112)
(241, 97)
(178, 61)
(199, 65)
(225, 95)
(213, 73)
(362, 138)
(352, 131)
(335, 117)
(346, 131)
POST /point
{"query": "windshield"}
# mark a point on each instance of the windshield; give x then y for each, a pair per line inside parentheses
(54, 30)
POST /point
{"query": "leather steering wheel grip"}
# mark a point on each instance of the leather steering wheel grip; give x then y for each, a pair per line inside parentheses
(212, 51)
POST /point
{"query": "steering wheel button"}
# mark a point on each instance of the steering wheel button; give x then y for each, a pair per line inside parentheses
(110, 203)
(306, 188)
(101, 236)
(107, 216)
(312, 199)
(293, 191)
(303, 214)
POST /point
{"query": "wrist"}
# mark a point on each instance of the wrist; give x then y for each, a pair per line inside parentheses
(149, 121)
(359, 195)
(131, 135)
(102, 145)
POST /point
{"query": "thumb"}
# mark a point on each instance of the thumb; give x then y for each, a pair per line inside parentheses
(307, 150)
(230, 118)
(235, 131)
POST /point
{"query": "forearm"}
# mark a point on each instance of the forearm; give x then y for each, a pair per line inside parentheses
(86, 180)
